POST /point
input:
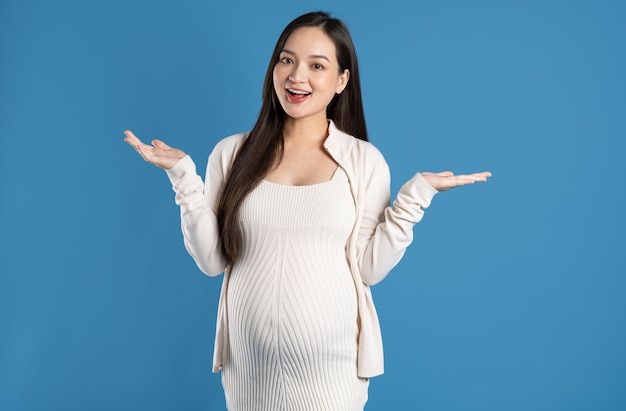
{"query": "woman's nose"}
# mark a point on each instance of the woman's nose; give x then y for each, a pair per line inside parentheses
(298, 73)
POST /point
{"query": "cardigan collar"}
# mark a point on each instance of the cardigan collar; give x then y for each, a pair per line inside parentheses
(338, 143)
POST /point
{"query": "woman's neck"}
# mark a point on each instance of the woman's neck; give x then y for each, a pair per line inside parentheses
(305, 131)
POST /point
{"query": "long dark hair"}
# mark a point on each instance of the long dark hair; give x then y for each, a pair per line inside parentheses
(264, 142)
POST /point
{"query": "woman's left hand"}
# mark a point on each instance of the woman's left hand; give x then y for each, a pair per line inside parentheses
(446, 180)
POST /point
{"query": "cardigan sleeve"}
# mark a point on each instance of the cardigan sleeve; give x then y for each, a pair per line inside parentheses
(198, 203)
(386, 231)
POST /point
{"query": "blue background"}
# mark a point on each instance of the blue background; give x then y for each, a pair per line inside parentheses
(510, 298)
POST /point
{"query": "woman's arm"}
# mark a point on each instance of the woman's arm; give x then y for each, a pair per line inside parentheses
(386, 231)
(197, 201)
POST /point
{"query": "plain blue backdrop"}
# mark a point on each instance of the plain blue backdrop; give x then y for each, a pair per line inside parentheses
(510, 298)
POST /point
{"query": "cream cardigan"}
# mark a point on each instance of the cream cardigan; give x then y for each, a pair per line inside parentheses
(379, 238)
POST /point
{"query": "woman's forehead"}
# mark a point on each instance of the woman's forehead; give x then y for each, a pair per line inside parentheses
(310, 42)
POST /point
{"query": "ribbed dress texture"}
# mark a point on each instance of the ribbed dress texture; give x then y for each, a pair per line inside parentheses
(291, 302)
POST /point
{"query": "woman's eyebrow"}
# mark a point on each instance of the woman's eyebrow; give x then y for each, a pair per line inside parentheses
(318, 56)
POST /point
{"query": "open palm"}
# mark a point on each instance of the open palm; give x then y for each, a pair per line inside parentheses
(447, 179)
(159, 153)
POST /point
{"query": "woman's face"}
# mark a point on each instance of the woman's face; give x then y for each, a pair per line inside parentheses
(306, 76)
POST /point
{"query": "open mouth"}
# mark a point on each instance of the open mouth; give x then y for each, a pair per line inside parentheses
(298, 93)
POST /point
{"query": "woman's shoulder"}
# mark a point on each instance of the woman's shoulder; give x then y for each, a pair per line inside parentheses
(231, 142)
(228, 146)
(368, 148)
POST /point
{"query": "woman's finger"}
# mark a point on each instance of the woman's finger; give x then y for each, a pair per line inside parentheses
(479, 176)
(134, 141)
(131, 138)
(160, 145)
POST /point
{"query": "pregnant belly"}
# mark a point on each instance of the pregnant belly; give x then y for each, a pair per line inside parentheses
(293, 306)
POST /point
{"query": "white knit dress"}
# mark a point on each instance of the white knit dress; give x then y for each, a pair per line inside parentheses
(291, 302)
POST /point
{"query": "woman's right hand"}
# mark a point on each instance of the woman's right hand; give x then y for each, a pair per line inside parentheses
(159, 153)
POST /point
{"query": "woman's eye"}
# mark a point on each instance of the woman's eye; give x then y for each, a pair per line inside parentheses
(286, 60)
(317, 66)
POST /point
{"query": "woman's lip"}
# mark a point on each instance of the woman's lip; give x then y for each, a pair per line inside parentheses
(296, 98)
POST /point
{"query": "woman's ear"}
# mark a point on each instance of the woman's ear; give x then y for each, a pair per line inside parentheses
(343, 81)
